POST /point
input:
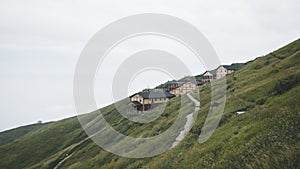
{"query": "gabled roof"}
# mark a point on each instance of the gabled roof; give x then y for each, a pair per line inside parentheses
(136, 103)
(213, 72)
(155, 93)
(198, 83)
(231, 67)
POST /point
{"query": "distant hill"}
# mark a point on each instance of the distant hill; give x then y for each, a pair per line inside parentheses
(266, 136)
(13, 134)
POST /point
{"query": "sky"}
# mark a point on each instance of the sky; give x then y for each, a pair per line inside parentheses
(40, 42)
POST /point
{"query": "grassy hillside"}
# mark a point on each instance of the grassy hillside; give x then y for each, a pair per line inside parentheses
(266, 136)
(13, 134)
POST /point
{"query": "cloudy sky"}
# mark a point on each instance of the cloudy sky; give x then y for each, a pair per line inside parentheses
(41, 40)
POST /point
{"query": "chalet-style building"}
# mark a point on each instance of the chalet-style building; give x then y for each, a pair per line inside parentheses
(209, 76)
(224, 70)
(220, 72)
(150, 98)
(178, 88)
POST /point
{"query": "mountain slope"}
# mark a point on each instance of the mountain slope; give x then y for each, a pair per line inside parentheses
(265, 136)
(13, 134)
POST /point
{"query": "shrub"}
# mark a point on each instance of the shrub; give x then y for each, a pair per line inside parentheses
(261, 101)
(286, 84)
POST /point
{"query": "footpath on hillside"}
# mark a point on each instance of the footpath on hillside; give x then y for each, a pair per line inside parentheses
(179, 138)
(188, 124)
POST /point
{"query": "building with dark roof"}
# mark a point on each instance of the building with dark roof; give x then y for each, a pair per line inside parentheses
(150, 98)
(220, 72)
(224, 70)
(209, 76)
(180, 87)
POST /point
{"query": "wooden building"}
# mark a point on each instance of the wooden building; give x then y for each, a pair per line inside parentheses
(224, 70)
(178, 88)
(146, 100)
(220, 72)
(209, 76)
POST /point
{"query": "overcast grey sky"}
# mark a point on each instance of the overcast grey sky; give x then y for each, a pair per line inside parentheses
(41, 40)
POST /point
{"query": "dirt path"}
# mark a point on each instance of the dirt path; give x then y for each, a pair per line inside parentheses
(188, 124)
(62, 161)
(179, 138)
(77, 144)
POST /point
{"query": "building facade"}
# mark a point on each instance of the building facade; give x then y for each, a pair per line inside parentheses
(143, 101)
(218, 73)
(208, 76)
(178, 88)
(224, 70)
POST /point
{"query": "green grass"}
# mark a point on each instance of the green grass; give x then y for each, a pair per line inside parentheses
(13, 134)
(266, 136)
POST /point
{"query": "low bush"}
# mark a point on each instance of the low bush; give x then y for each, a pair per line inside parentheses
(286, 84)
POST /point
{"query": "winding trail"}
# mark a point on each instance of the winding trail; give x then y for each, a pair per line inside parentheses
(179, 138)
(188, 124)
(73, 149)
(62, 161)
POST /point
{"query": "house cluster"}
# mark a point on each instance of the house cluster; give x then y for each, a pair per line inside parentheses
(218, 73)
(150, 98)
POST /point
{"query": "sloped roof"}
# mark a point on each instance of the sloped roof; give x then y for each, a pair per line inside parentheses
(155, 93)
(198, 83)
(136, 103)
(232, 67)
(213, 72)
